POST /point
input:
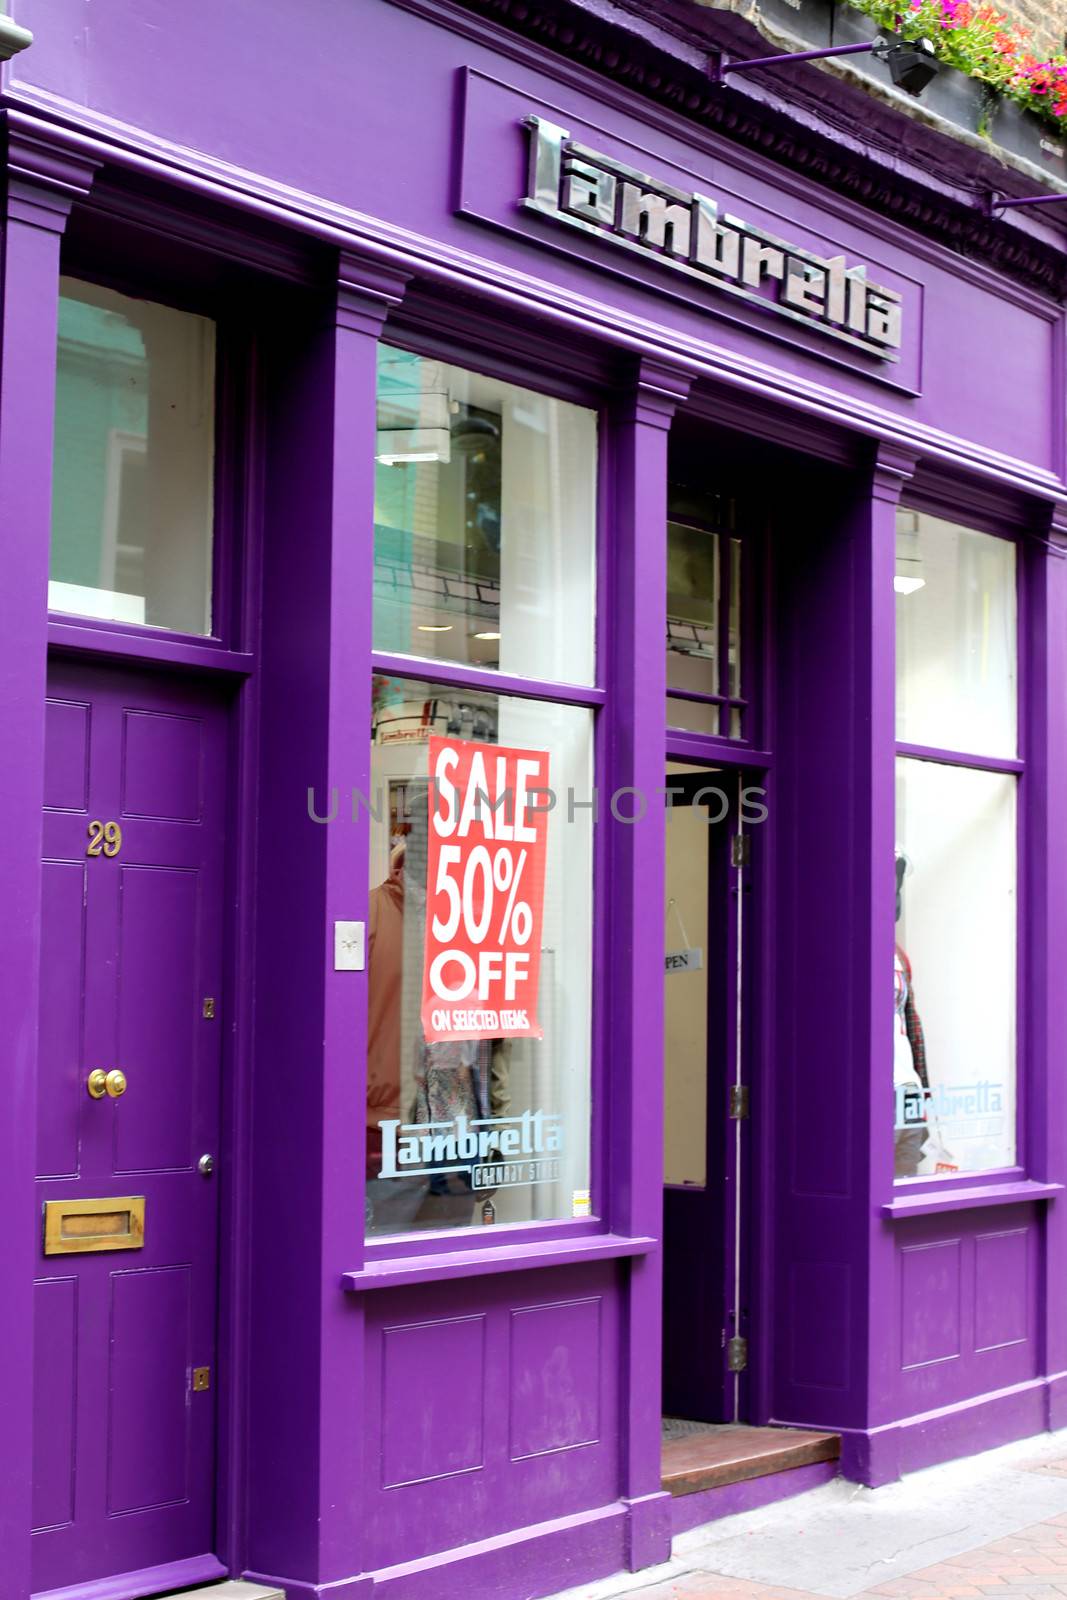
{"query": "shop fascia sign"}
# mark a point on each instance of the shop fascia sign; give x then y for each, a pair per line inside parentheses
(583, 189)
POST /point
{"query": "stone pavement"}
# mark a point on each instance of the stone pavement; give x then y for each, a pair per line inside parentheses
(992, 1525)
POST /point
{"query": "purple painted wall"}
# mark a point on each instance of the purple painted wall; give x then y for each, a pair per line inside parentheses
(505, 1422)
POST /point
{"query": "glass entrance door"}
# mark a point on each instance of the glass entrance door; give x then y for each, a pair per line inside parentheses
(706, 1101)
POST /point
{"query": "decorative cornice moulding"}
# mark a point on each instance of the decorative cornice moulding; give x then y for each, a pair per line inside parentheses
(367, 292)
(504, 292)
(43, 179)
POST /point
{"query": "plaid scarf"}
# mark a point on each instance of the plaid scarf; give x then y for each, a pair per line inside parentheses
(913, 1024)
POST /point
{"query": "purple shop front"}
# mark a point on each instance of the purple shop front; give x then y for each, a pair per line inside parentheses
(386, 1182)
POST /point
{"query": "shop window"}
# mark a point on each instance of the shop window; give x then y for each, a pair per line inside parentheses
(704, 619)
(491, 1126)
(484, 522)
(956, 870)
(133, 469)
(956, 673)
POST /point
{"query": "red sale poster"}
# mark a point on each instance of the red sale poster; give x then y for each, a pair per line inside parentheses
(485, 890)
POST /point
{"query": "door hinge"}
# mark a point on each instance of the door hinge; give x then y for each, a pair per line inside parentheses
(736, 1354)
(740, 850)
(738, 1101)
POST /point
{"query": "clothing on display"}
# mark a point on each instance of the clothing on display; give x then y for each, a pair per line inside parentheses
(910, 1080)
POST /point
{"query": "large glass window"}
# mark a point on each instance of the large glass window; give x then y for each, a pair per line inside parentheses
(484, 522)
(133, 473)
(482, 1128)
(954, 1065)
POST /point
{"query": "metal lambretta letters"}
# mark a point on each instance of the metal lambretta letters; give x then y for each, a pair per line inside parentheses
(575, 185)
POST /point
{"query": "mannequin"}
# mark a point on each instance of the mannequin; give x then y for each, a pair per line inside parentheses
(910, 1081)
(393, 1205)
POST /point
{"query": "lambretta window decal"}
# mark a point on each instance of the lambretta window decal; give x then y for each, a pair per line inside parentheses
(494, 1151)
(583, 189)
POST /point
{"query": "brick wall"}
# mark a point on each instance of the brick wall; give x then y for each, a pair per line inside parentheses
(1046, 19)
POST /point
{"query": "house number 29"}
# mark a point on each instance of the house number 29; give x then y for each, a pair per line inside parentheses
(105, 839)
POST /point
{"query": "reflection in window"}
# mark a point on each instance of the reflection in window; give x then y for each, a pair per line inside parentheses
(685, 1017)
(485, 504)
(704, 626)
(954, 1039)
(133, 473)
(494, 1083)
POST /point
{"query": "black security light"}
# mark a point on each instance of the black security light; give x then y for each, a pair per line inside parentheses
(912, 63)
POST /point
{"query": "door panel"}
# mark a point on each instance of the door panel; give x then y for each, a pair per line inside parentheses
(159, 917)
(66, 763)
(150, 1352)
(162, 768)
(132, 944)
(55, 1350)
(61, 1049)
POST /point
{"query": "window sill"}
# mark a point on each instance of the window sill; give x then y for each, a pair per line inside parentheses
(990, 1194)
(401, 1270)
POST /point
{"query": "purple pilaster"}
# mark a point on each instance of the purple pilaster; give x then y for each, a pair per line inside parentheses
(637, 671)
(1045, 933)
(875, 628)
(41, 189)
(834, 831)
(304, 1530)
(365, 298)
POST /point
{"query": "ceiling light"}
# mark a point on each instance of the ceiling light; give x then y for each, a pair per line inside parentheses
(434, 627)
(908, 585)
(485, 636)
(401, 458)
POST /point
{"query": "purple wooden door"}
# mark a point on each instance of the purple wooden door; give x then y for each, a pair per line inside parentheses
(124, 1459)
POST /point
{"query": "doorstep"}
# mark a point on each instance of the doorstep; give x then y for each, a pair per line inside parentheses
(716, 1456)
(229, 1589)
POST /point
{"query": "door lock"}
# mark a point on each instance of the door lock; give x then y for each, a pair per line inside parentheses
(115, 1083)
(206, 1166)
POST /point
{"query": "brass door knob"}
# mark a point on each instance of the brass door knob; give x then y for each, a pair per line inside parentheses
(96, 1083)
(115, 1083)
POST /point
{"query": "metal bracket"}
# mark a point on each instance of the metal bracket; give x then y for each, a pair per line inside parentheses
(993, 202)
(738, 1101)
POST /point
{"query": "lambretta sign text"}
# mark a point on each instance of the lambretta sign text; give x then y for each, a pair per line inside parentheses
(685, 231)
(496, 1152)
